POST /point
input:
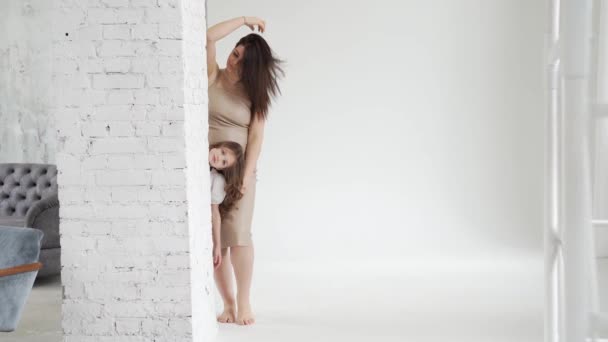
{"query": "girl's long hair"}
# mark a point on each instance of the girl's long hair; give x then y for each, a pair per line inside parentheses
(233, 176)
(259, 72)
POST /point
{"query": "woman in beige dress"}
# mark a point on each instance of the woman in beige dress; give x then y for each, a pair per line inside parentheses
(239, 99)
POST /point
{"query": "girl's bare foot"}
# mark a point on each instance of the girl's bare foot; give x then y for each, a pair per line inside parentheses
(228, 316)
(245, 316)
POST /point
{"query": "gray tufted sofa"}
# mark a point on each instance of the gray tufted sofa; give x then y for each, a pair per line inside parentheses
(28, 198)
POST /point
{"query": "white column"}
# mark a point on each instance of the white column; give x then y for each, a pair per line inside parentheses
(131, 118)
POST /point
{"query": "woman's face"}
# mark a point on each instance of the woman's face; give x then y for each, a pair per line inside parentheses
(221, 158)
(235, 58)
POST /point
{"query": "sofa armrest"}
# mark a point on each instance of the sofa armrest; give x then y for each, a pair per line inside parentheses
(44, 215)
(38, 208)
(5, 272)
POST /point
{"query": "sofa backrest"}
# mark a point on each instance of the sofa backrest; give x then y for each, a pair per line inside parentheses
(22, 185)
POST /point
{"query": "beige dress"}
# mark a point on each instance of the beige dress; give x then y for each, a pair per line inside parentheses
(229, 118)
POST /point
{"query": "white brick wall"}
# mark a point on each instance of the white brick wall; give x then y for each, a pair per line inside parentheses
(131, 120)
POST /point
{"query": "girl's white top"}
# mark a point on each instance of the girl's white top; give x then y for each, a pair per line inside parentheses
(218, 182)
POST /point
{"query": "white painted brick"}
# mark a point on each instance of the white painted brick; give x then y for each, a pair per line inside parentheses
(149, 195)
(128, 326)
(163, 80)
(117, 211)
(145, 31)
(162, 144)
(123, 177)
(147, 161)
(131, 276)
(144, 65)
(82, 33)
(174, 161)
(172, 195)
(170, 65)
(162, 15)
(95, 129)
(160, 293)
(115, 16)
(144, 3)
(68, 128)
(71, 49)
(118, 31)
(124, 194)
(78, 243)
(120, 162)
(174, 213)
(139, 309)
(117, 48)
(94, 162)
(178, 261)
(75, 145)
(80, 80)
(147, 96)
(91, 64)
(148, 128)
(120, 96)
(72, 310)
(98, 194)
(115, 3)
(117, 145)
(118, 81)
(173, 129)
(119, 64)
(102, 292)
(168, 177)
(121, 129)
(169, 47)
(175, 113)
(119, 113)
(170, 31)
(168, 3)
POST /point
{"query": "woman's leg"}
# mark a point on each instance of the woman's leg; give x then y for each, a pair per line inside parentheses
(223, 280)
(242, 262)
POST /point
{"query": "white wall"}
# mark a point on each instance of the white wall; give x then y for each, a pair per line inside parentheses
(26, 128)
(406, 128)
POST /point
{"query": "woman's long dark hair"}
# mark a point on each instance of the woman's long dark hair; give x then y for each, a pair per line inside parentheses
(259, 72)
(233, 176)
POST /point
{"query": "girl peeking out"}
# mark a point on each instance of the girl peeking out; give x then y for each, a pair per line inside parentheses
(226, 161)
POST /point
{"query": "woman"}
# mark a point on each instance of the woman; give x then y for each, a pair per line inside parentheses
(239, 99)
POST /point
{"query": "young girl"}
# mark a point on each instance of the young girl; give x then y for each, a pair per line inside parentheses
(226, 160)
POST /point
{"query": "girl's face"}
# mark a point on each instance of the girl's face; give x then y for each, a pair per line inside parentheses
(221, 158)
(235, 57)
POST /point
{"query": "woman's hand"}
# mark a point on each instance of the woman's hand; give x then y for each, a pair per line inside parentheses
(248, 178)
(217, 257)
(252, 21)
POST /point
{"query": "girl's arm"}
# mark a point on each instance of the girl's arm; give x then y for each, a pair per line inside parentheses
(216, 224)
(254, 147)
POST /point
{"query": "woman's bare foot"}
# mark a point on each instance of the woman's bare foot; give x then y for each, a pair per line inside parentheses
(245, 316)
(228, 316)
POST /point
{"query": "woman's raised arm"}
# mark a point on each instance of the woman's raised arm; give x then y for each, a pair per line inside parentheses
(221, 30)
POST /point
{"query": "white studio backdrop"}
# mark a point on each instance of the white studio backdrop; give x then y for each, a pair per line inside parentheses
(406, 129)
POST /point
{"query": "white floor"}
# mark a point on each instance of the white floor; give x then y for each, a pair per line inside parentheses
(40, 321)
(479, 300)
(476, 300)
